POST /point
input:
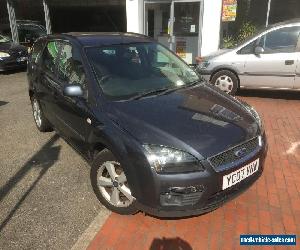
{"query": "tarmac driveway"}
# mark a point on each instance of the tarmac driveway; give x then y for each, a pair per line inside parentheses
(46, 200)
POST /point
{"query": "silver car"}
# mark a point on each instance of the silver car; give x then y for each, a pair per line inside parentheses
(268, 60)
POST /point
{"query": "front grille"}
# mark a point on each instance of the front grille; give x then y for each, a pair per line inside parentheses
(229, 155)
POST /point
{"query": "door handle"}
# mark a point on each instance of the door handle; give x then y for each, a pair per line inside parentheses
(289, 62)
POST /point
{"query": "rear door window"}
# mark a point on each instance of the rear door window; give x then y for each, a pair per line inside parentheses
(50, 55)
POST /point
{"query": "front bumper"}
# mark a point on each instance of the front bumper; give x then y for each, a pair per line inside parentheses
(206, 74)
(210, 197)
(12, 63)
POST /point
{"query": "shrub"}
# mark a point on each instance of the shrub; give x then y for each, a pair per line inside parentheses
(228, 42)
(247, 29)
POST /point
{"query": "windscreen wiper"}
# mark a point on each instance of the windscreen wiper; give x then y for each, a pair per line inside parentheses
(148, 93)
(180, 87)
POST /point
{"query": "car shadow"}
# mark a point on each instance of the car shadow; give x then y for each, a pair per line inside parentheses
(170, 244)
(273, 94)
(42, 159)
(13, 71)
(2, 103)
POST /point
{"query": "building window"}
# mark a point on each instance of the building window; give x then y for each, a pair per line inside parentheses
(250, 16)
(284, 10)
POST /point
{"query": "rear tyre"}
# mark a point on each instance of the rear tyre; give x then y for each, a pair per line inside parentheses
(40, 120)
(110, 184)
(226, 80)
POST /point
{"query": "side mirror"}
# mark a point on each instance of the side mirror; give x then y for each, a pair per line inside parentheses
(258, 50)
(73, 90)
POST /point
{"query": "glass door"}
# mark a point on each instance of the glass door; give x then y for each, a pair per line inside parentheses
(157, 24)
(186, 29)
(175, 24)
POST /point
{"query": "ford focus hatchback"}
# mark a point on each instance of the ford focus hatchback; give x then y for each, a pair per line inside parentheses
(158, 138)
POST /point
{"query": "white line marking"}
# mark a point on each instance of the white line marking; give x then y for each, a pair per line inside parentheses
(88, 235)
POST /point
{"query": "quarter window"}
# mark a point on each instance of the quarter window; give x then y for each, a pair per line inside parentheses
(70, 68)
(248, 49)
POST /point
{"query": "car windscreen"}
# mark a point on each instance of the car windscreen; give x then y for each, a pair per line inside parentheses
(127, 70)
(29, 31)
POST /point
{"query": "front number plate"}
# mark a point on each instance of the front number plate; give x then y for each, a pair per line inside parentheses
(240, 174)
(22, 59)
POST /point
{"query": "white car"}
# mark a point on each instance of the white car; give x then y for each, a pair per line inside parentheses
(268, 60)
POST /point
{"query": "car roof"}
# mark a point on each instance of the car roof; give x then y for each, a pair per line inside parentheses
(92, 39)
(291, 21)
(295, 21)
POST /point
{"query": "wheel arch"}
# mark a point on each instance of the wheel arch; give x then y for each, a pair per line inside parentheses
(122, 147)
(96, 148)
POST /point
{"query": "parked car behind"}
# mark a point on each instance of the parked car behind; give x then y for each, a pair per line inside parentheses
(158, 138)
(268, 60)
(12, 56)
(28, 31)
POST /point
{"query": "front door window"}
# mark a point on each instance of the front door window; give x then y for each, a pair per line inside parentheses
(70, 68)
(280, 41)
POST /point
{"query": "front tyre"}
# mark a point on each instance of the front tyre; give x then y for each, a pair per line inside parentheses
(226, 80)
(41, 121)
(110, 184)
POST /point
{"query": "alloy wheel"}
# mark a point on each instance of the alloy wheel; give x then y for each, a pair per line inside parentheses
(37, 112)
(113, 185)
(225, 83)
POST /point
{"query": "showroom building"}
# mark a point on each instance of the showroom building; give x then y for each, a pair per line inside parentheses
(188, 27)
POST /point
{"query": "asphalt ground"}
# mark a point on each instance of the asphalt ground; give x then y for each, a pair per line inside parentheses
(46, 200)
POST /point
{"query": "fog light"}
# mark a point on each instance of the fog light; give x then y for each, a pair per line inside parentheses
(182, 196)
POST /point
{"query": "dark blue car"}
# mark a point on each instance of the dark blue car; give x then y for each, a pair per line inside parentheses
(12, 56)
(158, 137)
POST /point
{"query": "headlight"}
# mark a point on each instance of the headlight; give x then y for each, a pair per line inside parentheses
(204, 64)
(168, 160)
(3, 55)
